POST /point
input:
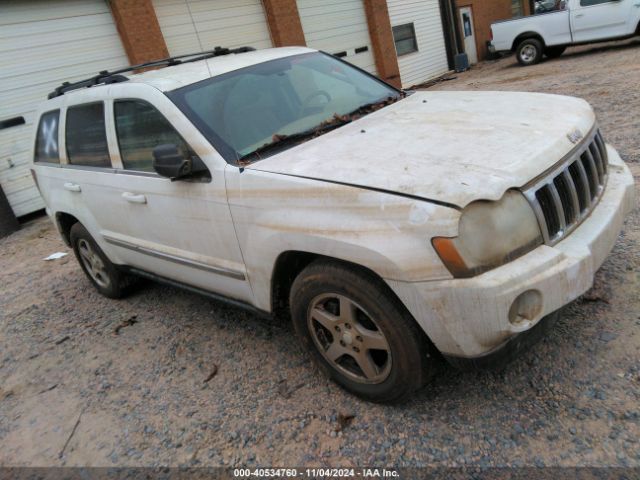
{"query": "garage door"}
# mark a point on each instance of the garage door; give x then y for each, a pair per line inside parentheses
(338, 27)
(195, 25)
(42, 44)
(420, 20)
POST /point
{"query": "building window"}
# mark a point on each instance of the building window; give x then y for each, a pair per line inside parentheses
(404, 37)
(517, 8)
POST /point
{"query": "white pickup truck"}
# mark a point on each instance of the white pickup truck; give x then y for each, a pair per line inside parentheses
(563, 23)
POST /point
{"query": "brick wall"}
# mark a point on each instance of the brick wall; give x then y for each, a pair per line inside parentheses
(143, 41)
(484, 13)
(384, 49)
(139, 30)
(284, 23)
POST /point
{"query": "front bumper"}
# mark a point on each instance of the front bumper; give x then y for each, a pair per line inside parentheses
(469, 318)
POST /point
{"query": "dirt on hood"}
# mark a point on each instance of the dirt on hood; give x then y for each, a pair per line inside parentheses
(449, 147)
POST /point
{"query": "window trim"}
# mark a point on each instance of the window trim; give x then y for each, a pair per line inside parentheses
(35, 143)
(414, 38)
(106, 136)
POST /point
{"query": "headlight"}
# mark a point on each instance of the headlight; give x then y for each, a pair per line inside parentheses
(490, 234)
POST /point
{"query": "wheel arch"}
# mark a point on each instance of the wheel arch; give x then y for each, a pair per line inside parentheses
(525, 36)
(64, 222)
(291, 263)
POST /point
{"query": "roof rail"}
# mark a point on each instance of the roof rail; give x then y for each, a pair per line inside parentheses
(105, 77)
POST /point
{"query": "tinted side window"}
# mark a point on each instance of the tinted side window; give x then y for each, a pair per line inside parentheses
(588, 3)
(140, 128)
(47, 138)
(86, 139)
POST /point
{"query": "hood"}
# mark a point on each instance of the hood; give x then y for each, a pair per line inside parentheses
(447, 147)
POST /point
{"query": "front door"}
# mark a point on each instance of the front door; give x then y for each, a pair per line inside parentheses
(600, 19)
(180, 230)
(466, 18)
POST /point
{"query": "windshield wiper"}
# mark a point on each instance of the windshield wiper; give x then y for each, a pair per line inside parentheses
(280, 140)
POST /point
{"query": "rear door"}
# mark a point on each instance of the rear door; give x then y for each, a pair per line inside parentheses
(600, 19)
(180, 230)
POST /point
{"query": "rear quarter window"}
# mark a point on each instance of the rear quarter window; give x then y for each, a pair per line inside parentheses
(47, 138)
(85, 136)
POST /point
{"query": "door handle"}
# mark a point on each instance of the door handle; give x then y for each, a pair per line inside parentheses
(134, 197)
(72, 187)
(579, 15)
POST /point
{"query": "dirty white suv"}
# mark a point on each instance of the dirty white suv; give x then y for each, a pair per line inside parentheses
(391, 226)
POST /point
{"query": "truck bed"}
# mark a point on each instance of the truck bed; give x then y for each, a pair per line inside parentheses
(553, 27)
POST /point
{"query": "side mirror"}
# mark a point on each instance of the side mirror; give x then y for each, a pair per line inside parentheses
(169, 162)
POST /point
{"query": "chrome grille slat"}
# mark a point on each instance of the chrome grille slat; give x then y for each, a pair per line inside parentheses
(603, 150)
(573, 194)
(566, 200)
(564, 197)
(580, 184)
(595, 153)
(558, 207)
(585, 182)
(592, 174)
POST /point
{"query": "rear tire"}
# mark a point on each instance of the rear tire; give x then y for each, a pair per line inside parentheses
(554, 52)
(359, 334)
(529, 52)
(103, 274)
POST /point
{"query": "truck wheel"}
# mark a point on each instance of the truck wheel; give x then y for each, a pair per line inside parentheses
(554, 52)
(103, 274)
(529, 52)
(358, 334)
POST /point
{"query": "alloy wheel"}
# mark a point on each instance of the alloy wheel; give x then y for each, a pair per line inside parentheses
(93, 263)
(349, 339)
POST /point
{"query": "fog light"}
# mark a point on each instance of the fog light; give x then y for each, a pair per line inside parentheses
(525, 308)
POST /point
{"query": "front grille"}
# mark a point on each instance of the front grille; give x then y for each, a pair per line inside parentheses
(565, 197)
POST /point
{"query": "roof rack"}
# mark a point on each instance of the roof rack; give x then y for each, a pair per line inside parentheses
(105, 77)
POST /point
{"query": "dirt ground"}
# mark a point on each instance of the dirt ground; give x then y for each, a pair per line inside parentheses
(85, 380)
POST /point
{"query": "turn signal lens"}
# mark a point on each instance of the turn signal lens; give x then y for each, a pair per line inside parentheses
(449, 254)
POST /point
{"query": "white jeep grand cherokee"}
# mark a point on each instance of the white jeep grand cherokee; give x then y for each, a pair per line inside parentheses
(390, 225)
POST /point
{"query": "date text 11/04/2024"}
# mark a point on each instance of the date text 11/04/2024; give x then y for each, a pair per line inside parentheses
(316, 473)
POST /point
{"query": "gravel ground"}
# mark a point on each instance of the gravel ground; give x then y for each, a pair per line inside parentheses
(89, 381)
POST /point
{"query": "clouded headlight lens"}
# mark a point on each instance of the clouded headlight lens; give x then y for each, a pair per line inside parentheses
(490, 234)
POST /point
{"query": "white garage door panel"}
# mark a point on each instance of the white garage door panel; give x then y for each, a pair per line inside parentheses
(26, 11)
(191, 25)
(42, 44)
(44, 33)
(47, 57)
(338, 26)
(431, 58)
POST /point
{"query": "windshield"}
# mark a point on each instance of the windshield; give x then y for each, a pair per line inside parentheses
(243, 111)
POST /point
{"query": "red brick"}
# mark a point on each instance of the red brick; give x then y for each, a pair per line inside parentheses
(139, 30)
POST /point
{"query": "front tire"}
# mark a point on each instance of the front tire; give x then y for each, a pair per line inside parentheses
(103, 274)
(359, 334)
(554, 52)
(529, 52)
